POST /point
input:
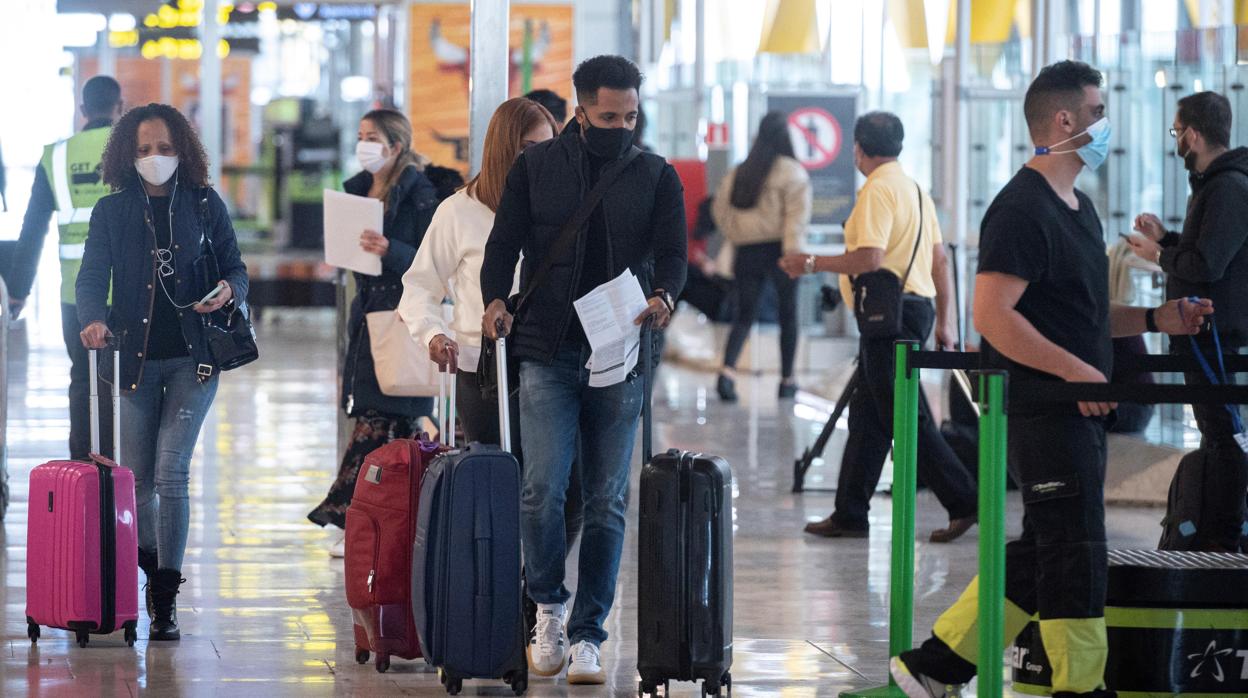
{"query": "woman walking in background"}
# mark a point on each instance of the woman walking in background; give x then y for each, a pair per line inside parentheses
(763, 208)
(145, 243)
(393, 175)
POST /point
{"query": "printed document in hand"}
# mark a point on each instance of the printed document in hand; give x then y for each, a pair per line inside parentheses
(607, 314)
(347, 216)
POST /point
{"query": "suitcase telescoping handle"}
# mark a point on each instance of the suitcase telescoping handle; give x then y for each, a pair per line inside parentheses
(504, 390)
(93, 361)
(446, 406)
(647, 375)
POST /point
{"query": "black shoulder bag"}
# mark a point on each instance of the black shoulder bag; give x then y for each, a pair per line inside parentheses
(486, 366)
(878, 294)
(228, 332)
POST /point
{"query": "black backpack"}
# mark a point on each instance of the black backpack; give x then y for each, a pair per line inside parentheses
(1184, 503)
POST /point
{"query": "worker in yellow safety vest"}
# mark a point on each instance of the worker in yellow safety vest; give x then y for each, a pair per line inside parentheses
(68, 182)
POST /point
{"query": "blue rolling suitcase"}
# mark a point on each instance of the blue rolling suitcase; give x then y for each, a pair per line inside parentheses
(466, 592)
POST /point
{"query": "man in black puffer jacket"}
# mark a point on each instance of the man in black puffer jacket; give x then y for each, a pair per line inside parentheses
(639, 225)
(1210, 260)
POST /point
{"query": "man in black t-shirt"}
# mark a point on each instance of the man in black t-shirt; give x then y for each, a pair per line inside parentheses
(1042, 306)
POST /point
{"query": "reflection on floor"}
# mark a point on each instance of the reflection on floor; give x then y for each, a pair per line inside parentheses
(263, 611)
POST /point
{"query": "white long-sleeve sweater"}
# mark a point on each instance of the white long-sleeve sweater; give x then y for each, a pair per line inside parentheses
(448, 264)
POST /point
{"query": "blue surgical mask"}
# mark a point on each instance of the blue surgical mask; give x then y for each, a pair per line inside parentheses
(1094, 152)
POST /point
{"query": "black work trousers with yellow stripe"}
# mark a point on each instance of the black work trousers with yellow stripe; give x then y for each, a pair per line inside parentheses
(1057, 569)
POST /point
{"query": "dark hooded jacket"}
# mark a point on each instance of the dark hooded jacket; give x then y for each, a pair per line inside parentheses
(409, 209)
(642, 215)
(1209, 258)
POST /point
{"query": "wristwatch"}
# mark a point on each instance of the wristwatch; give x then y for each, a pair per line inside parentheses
(1150, 320)
(809, 266)
(665, 297)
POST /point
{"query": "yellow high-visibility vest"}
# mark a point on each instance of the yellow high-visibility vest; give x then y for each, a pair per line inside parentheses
(74, 168)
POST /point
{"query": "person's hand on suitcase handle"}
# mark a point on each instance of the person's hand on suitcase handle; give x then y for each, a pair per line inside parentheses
(444, 351)
(95, 336)
(657, 311)
(497, 321)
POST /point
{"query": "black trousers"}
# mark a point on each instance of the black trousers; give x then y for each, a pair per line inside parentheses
(80, 391)
(871, 432)
(753, 266)
(1058, 568)
(1223, 513)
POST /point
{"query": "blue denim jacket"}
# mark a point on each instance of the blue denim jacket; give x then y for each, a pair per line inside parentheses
(120, 246)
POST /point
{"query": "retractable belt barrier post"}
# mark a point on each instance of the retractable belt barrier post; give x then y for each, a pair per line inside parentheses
(992, 399)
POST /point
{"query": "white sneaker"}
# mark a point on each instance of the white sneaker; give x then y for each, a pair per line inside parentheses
(547, 647)
(338, 549)
(585, 668)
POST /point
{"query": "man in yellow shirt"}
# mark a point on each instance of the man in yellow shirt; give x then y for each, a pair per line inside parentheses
(881, 234)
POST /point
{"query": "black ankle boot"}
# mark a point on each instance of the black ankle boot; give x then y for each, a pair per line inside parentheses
(147, 563)
(164, 604)
(727, 388)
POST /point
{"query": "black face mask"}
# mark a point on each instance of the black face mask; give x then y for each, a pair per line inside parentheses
(610, 143)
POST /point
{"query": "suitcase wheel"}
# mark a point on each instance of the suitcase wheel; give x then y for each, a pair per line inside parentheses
(519, 682)
(361, 656)
(83, 637)
(32, 631)
(131, 633)
(454, 686)
(383, 663)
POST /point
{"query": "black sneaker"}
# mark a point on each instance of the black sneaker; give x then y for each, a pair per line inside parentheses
(916, 685)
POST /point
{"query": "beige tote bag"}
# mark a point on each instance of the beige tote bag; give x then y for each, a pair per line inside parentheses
(402, 365)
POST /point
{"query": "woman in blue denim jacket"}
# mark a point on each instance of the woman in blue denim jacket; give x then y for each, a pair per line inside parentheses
(393, 173)
(149, 237)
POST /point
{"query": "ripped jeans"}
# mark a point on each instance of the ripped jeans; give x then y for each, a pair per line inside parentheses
(160, 424)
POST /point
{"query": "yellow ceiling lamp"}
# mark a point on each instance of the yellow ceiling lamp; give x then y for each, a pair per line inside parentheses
(790, 26)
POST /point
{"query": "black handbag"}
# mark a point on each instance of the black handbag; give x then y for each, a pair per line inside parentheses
(228, 331)
(878, 294)
(487, 372)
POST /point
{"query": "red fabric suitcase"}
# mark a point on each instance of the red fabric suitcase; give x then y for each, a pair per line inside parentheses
(82, 542)
(381, 526)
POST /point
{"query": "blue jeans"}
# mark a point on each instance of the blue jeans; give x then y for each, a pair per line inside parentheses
(556, 403)
(160, 425)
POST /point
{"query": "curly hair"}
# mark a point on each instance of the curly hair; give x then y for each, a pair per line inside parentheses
(119, 154)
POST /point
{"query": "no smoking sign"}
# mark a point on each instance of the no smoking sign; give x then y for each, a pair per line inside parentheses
(816, 136)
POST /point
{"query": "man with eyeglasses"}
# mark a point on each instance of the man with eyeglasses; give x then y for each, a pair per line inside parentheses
(1209, 258)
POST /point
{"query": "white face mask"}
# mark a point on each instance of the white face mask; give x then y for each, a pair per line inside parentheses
(157, 169)
(371, 155)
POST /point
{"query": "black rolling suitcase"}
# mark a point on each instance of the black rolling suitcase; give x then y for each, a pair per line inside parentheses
(684, 614)
(466, 594)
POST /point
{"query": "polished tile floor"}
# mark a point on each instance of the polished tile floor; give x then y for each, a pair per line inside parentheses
(263, 611)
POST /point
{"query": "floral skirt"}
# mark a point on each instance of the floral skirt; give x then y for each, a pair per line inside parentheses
(373, 430)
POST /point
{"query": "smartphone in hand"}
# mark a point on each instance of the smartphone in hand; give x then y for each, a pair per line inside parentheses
(211, 294)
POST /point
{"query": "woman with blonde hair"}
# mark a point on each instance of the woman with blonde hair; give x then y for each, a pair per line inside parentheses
(393, 173)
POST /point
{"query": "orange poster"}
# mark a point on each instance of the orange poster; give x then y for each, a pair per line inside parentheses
(541, 57)
(143, 81)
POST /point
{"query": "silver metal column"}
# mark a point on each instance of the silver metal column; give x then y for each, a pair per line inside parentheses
(959, 156)
(699, 66)
(210, 89)
(488, 80)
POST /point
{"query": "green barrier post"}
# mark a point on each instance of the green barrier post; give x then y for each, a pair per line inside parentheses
(992, 459)
(905, 460)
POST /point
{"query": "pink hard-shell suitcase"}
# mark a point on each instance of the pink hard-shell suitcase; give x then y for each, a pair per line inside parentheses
(82, 544)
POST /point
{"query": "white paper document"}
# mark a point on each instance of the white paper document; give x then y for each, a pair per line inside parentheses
(607, 314)
(347, 216)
